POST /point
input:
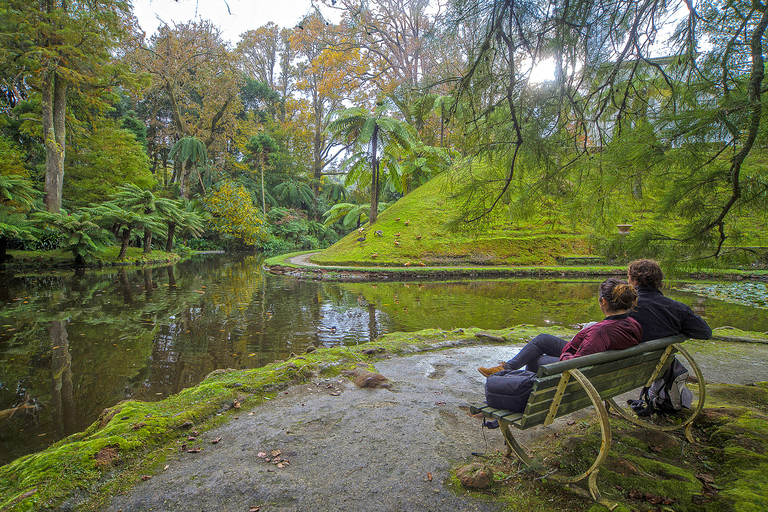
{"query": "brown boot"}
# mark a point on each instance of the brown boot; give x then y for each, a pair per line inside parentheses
(487, 372)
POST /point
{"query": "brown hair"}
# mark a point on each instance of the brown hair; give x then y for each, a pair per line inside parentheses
(618, 294)
(645, 273)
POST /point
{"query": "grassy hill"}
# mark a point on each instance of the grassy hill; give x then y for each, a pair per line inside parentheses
(414, 231)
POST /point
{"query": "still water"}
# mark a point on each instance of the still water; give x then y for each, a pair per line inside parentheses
(73, 344)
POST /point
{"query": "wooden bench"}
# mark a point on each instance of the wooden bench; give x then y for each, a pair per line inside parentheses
(569, 386)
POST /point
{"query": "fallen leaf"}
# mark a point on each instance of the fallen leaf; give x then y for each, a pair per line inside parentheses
(215, 441)
(166, 467)
(146, 477)
(193, 450)
(236, 404)
(191, 438)
(429, 476)
(275, 453)
(254, 509)
(261, 454)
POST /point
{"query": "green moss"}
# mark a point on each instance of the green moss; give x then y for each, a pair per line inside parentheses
(407, 236)
(142, 434)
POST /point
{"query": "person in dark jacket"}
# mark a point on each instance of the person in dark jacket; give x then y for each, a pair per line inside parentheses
(661, 316)
(617, 331)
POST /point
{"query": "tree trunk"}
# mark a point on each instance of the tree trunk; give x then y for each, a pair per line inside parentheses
(126, 237)
(147, 241)
(184, 181)
(374, 178)
(171, 234)
(54, 93)
(263, 200)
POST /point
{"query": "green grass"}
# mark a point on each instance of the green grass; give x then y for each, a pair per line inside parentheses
(415, 232)
(59, 258)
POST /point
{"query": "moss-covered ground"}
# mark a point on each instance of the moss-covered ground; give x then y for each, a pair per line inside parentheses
(416, 231)
(109, 256)
(725, 470)
(133, 438)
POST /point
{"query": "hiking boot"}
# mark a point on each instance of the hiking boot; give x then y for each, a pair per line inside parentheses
(487, 372)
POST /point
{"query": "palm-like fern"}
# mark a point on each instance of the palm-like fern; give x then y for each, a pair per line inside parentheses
(377, 139)
(191, 152)
(81, 235)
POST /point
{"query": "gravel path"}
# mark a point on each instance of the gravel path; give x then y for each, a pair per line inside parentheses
(352, 449)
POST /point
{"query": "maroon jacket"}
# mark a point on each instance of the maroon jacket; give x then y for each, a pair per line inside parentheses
(614, 333)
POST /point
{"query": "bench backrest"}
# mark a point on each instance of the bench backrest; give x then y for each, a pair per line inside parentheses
(612, 373)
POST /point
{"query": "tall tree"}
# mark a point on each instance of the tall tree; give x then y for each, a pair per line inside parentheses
(195, 71)
(692, 120)
(378, 136)
(262, 146)
(395, 38)
(62, 48)
(323, 76)
(260, 50)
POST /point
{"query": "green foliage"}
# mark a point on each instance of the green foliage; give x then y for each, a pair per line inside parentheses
(233, 214)
(11, 158)
(17, 193)
(190, 151)
(80, 234)
(294, 193)
(108, 157)
(379, 142)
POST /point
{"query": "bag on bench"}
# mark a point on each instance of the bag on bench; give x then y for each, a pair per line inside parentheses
(509, 389)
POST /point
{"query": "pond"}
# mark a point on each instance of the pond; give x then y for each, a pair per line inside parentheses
(73, 344)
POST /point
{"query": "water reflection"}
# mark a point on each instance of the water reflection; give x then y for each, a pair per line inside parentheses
(73, 344)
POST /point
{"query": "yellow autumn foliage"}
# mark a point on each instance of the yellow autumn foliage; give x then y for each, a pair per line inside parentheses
(234, 213)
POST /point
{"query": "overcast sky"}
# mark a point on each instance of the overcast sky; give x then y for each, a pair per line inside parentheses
(233, 16)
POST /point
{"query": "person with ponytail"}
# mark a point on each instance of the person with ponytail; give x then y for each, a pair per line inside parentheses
(617, 331)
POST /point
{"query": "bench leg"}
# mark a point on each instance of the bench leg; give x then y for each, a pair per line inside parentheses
(514, 447)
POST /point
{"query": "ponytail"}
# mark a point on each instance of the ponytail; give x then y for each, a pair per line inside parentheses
(619, 294)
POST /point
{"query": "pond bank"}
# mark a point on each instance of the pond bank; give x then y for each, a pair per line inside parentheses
(300, 265)
(347, 448)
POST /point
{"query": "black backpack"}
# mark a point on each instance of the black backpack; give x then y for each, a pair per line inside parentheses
(509, 389)
(667, 394)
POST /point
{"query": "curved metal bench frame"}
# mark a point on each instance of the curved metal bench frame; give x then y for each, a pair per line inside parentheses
(688, 422)
(605, 429)
(507, 419)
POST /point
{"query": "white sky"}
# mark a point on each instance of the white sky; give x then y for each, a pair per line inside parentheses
(234, 17)
(245, 14)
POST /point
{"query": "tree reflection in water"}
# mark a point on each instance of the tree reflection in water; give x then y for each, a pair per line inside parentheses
(148, 333)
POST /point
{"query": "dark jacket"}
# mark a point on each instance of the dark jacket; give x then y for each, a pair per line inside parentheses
(661, 316)
(616, 332)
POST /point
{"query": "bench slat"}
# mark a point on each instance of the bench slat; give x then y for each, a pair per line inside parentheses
(631, 377)
(550, 382)
(608, 386)
(499, 414)
(609, 356)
